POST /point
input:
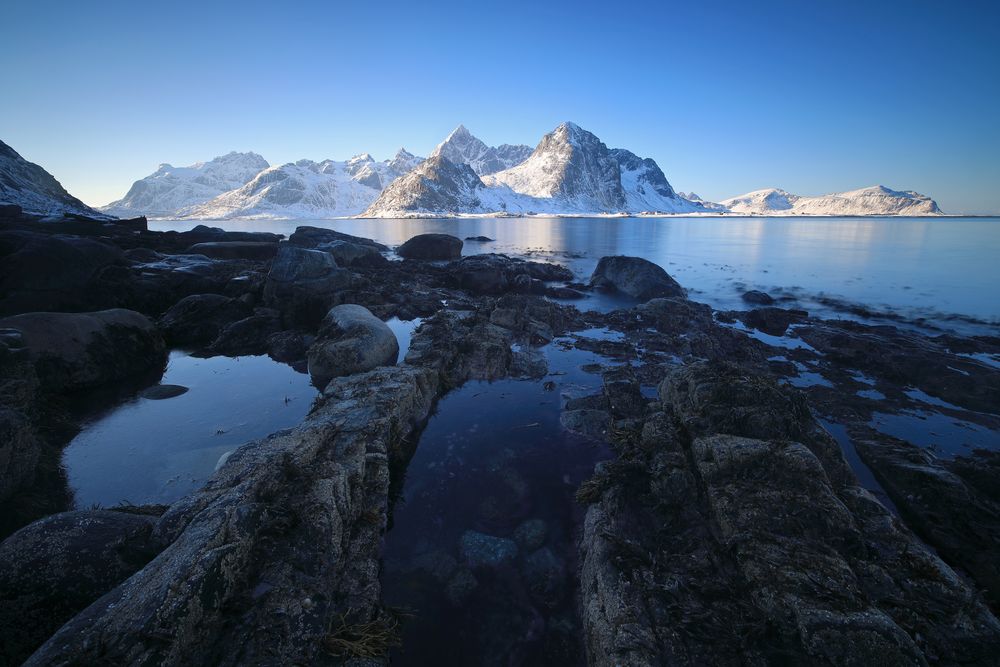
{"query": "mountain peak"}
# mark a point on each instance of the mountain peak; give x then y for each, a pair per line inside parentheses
(459, 132)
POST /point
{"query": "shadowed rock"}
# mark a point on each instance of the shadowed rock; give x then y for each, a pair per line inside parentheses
(431, 246)
(638, 278)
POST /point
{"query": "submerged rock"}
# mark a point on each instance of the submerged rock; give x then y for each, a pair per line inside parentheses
(431, 246)
(161, 392)
(482, 550)
(351, 340)
(74, 351)
(758, 298)
(638, 278)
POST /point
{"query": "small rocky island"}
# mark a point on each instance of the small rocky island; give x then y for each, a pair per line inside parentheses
(749, 512)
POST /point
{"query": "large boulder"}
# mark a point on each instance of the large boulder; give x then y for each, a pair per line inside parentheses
(55, 272)
(351, 340)
(200, 317)
(637, 277)
(303, 284)
(235, 249)
(74, 351)
(313, 237)
(52, 569)
(431, 246)
(347, 253)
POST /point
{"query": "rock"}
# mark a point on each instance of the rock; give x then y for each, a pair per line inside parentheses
(564, 293)
(480, 239)
(313, 237)
(758, 298)
(234, 249)
(354, 254)
(461, 587)
(531, 534)
(160, 392)
(163, 282)
(288, 346)
(200, 317)
(773, 321)
(74, 351)
(304, 284)
(351, 340)
(20, 450)
(486, 551)
(545, 576)
(287, 519)
(53, 568)
(431, 246)
(43, 272)
(638, 278)
(591, 423)
(251, 335)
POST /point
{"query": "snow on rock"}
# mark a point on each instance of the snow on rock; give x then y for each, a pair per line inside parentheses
(303, 189)
(874, 200)
(169, 189)
(570, 172)
(461, 147)
(35, 190)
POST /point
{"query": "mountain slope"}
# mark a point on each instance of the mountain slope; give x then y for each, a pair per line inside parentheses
(303, 189)
(171, 189)
(874, 200)
(436, 186)
(570, 172)
(461, 147)
(35, 190)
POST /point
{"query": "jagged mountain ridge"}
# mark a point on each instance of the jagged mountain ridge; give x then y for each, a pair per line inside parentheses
(873, 200)
(461, 147)
(170, 190)
(35, 190)
(571, 171)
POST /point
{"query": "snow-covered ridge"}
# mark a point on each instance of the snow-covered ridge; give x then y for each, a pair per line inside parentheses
(874, 200)
(571, 171)
(35, 190)
(169, 189)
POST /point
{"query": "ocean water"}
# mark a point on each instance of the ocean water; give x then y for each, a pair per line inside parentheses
(944, 269)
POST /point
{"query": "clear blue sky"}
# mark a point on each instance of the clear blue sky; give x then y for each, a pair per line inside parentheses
(727, 97)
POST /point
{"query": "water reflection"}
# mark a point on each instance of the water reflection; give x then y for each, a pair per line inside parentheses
(155, 451)
(914, 265)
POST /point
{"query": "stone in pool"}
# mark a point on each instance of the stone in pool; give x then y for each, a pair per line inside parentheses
(482, 550)
(162, 391)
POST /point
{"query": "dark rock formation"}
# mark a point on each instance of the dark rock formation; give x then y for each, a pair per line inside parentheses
(54, 568)
(758, 298)
(431, 246)
(638, 278)
(200, 317)
(234, 249)
(74, 351)
(305, 284)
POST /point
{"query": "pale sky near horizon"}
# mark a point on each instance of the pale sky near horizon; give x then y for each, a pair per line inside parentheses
(727, 97)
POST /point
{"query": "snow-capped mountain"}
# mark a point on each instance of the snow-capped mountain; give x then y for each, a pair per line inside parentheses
(436, 186)
(460, 147)
(570, 172)
(874, 200)
(303, 189)
(378, 175)
(35, 190)
(170, 190)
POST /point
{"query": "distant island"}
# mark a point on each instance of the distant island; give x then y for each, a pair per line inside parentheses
(571, 172)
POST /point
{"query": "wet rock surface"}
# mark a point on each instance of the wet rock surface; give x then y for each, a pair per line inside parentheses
(729, 527)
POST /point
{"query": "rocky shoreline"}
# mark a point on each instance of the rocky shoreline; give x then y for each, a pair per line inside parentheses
(730, 527)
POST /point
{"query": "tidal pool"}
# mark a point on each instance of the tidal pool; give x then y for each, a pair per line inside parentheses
(155, 451)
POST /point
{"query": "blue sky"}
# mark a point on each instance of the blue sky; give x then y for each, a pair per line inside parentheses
(727, 97)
